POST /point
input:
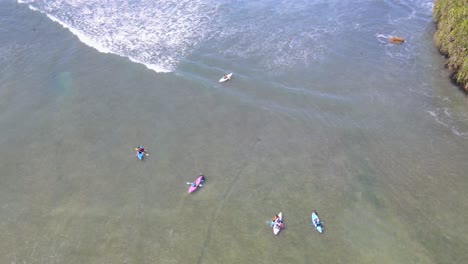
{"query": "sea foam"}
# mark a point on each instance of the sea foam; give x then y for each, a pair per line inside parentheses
(157, 34)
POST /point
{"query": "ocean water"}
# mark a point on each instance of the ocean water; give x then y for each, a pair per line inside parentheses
(322, 113)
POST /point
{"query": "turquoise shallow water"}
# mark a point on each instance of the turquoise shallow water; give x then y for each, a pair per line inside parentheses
(321, 114)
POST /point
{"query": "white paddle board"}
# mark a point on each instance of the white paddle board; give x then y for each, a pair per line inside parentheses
(223, 79)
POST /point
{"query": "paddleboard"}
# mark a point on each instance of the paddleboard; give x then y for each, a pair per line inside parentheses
(278, 225)
(194, 186)
(316, 221)
(226, 79)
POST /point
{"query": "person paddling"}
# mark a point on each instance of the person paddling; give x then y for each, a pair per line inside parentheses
(141, 150)
(317, 222)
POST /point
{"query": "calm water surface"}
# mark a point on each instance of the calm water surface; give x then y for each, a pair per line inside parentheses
(322, 113)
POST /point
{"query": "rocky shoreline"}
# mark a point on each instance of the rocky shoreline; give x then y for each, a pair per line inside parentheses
(451, 17)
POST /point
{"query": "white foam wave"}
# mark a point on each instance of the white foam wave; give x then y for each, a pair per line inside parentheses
(456, 122)
(160, 33)
(437, 118)
(81, 36)
(155, 33)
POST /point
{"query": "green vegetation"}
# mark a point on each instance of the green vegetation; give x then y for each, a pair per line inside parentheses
(451, 37)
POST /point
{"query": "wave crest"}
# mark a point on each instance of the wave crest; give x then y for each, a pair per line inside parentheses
(155, 33)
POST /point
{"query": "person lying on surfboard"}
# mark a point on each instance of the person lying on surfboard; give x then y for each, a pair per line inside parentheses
(226, 77)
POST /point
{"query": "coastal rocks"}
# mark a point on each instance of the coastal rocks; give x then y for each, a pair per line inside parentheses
(396, 40)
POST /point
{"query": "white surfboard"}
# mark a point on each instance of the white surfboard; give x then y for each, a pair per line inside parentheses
(223, 79)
